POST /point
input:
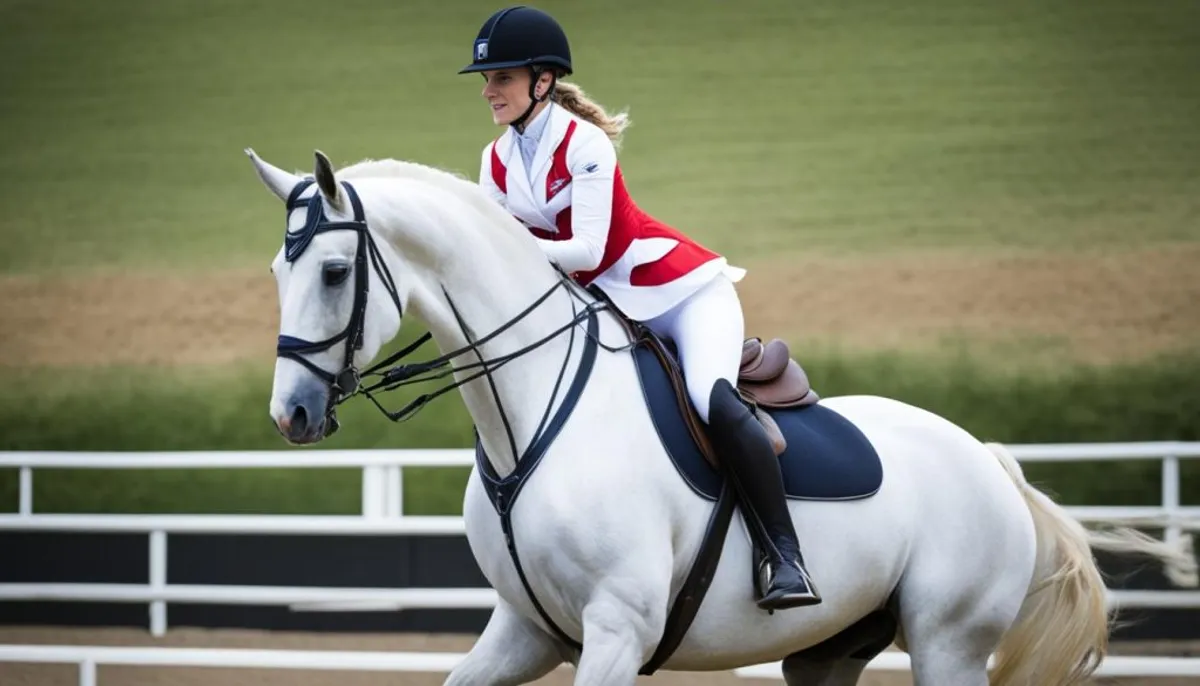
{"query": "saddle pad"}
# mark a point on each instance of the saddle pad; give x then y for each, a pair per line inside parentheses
(827, 457)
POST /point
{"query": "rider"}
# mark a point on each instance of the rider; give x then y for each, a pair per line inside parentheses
(555, 169)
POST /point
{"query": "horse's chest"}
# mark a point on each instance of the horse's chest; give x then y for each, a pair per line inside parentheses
(561, 552)
(542, 556)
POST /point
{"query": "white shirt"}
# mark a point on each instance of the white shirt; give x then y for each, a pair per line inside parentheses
(528, 141)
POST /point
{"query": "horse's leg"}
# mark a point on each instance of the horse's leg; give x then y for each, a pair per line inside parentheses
(949, 661)
(969, 574)
(952, 623)
(798, 671)
(840, 661)
(619, 632)
(511, 650)
(953, 620)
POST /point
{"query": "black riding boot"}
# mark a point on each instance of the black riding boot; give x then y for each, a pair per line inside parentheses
(743, 445)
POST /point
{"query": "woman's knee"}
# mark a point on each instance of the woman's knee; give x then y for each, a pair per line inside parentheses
(699, 391)
(707, 329)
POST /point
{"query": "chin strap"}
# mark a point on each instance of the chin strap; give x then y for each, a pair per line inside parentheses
(519, 122)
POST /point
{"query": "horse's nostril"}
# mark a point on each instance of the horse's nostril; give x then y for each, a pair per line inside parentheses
(299, 420)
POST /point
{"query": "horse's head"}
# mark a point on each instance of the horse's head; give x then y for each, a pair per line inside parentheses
(339, 300)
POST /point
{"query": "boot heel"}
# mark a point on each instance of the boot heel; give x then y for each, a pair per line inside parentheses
(786, 585)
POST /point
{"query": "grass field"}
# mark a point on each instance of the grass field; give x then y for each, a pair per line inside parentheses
(773, 127)
(989, 209)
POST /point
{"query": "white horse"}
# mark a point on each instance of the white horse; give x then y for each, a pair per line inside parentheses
(968, 558)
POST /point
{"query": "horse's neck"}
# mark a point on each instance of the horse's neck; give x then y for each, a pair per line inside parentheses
(488, 281)
(513, 399)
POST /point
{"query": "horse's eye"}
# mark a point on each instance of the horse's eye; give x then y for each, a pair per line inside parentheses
(335, 273)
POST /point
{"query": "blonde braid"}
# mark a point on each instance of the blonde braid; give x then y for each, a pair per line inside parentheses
(572, 97)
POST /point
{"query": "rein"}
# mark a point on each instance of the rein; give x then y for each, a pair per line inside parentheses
(390, 374)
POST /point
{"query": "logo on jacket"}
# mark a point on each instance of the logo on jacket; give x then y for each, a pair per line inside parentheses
(591, 167)
(481, 50)
(556, 185)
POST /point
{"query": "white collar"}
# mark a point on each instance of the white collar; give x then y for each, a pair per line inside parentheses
(534, 129)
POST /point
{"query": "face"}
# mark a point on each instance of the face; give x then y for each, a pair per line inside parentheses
(507, 92)
(316, 298)
(316, 295)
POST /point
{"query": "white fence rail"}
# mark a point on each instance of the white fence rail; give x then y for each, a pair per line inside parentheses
(1114, 666)
(382, 512)
(88, 658)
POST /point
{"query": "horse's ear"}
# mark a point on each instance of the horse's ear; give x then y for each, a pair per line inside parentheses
(277, 180)
(326, 180)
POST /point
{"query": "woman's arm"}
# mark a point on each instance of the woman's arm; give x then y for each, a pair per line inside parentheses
(593, 164)
(485, 177)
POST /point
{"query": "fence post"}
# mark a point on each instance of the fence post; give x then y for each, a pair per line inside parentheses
(87, 672)
(158, 582)
(1173, 533)
(395, 491)
(25, 506)
(374, 496)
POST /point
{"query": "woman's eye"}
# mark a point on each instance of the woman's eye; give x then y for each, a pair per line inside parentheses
(334, 274)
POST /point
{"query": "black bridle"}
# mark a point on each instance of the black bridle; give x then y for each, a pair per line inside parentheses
(348, 382)
(344, 383)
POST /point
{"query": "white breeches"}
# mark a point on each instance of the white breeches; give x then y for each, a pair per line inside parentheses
(708, 330)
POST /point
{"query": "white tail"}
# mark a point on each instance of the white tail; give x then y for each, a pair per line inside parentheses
(1061, 634)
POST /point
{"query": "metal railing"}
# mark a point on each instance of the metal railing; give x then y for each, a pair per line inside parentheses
(382, 513)
(88, 658)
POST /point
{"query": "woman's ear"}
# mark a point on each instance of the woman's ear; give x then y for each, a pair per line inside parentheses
(545, 83)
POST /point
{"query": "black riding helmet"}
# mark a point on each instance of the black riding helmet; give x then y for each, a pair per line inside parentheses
(521, 37)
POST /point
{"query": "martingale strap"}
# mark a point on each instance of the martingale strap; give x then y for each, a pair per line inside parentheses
(503, 495)
(503, 492)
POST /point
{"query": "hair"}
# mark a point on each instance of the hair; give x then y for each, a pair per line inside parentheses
(572, 97)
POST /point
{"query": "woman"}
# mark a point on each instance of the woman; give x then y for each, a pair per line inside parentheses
(555, 169)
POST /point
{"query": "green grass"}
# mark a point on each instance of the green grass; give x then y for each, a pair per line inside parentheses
(128, 410)
(765, 127)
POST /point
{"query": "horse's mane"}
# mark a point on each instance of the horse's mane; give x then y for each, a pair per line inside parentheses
(389, 168)
(451, 182)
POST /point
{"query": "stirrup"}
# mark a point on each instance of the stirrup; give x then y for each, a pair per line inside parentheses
(781, 599)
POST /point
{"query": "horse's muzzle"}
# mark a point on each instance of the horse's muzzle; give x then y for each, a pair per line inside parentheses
(304, 421)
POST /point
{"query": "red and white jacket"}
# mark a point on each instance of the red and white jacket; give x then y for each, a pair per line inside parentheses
(580, 211)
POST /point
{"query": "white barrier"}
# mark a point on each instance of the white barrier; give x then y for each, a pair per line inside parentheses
(1113, 666)
(380, 599)
(382, 513)
(88, 658)
(299, 525)
(297, 597)
(382, 480)
(382, 485)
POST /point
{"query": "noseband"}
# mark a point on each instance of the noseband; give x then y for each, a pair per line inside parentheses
(347, 382)
(344, 383)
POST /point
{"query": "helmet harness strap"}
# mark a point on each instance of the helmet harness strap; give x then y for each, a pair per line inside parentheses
(536, 73)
